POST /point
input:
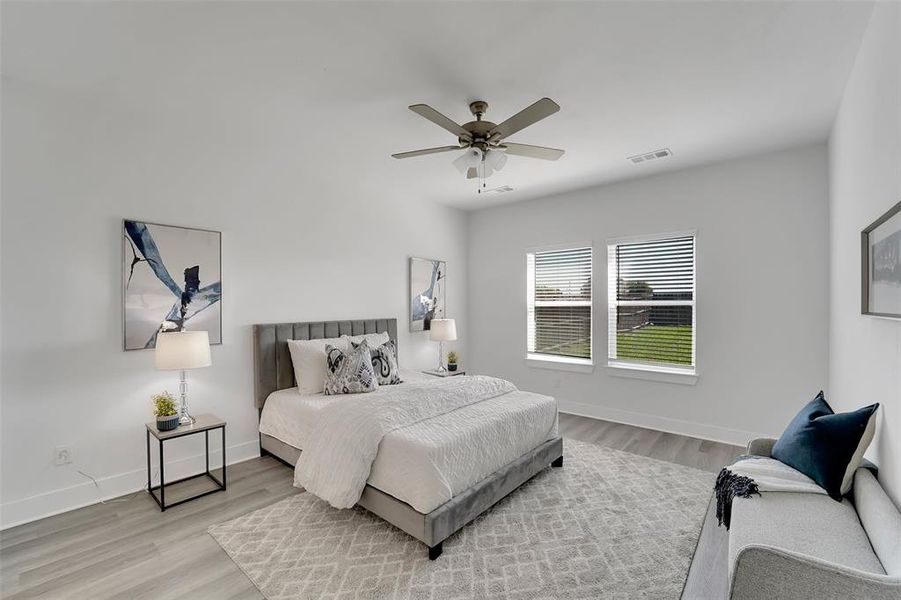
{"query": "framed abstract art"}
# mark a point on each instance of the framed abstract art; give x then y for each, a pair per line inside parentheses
(171, 280)
(428, 279)
(880, 251)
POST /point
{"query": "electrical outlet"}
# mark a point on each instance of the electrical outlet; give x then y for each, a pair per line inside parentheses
(63, 455)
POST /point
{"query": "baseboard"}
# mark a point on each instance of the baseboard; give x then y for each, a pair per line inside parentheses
(65, 499)
(713, 433)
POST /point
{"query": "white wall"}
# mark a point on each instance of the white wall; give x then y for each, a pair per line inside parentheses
(865, 181)
(762, 286)
(295, 247)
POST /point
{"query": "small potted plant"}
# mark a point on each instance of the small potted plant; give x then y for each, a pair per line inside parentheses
(451, 361)
(166, 411)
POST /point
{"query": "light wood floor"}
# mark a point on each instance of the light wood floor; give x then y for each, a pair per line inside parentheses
(132, 550)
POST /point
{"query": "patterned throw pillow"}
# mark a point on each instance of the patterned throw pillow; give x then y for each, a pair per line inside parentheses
(349, 372)
(384, 363)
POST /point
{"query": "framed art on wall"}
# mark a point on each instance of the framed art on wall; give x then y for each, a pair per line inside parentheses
(428, 279)
(171, 280)
(880, 251)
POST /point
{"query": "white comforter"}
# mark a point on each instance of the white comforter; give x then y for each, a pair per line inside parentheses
(430, 462)
(345, 439)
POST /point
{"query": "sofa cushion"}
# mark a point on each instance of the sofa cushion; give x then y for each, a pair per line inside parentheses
(810, 524)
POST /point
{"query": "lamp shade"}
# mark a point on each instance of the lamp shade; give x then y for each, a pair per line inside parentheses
(443, 330)
(182, 350)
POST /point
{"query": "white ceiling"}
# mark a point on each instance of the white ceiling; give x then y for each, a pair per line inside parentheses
(331, 81)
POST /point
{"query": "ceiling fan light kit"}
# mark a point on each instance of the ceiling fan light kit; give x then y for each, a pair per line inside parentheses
(470, 158)
(485, 151)
(496, 159)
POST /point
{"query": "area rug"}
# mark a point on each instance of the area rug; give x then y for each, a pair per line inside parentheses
(609, 524)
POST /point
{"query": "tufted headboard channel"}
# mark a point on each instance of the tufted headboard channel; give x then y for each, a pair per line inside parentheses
(272, 362)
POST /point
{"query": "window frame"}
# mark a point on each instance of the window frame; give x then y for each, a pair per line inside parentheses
(666, 372)
(554, 361)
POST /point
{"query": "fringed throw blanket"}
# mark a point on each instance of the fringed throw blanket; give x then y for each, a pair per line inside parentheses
(751, 475)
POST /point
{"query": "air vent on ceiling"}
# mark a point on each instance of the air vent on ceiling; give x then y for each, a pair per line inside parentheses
(640, 158)
(500, 190)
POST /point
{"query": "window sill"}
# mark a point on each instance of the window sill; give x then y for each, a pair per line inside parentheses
(651, 373)
(560, 363)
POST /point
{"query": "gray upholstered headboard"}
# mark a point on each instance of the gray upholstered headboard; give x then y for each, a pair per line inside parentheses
(272, 362)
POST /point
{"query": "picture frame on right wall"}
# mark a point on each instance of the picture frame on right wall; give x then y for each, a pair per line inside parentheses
(880, 252)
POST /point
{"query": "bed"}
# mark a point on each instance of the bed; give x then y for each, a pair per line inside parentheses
(428, 479)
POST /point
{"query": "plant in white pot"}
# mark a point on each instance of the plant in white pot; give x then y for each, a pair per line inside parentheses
(451, 361)
(166, 411)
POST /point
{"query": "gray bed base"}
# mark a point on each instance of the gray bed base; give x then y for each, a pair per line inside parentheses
(435, 527)
(273, 371)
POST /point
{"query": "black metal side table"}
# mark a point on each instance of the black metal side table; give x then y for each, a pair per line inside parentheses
(203, 424)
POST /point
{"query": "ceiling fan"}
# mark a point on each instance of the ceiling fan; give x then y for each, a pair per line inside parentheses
(483, 141)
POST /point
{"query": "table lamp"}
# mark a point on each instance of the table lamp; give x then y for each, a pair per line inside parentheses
(442, 330)
(183, 350)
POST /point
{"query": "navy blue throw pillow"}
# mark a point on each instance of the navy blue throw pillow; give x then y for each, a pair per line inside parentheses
(825, 446)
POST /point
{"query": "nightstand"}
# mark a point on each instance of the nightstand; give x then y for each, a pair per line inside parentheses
(444, 373)
(202, 424)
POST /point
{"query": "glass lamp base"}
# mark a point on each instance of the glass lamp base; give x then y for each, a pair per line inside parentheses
(186, 418)
(440, 368)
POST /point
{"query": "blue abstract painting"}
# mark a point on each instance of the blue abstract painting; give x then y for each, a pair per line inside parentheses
(172, 281)
(428, 278)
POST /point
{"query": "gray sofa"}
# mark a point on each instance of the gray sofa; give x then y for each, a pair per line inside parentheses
(800, 546)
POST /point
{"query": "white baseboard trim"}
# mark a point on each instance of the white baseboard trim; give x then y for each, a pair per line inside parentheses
(713, 433)
(47, 504)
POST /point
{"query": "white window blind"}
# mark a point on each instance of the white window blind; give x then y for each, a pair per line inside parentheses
(558, 299)
(651, 302)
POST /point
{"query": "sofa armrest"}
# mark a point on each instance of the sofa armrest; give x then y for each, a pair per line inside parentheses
(761, 447)
(769, 573)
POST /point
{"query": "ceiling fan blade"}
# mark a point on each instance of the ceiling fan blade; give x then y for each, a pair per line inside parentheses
(541, 152)
(472, 173)
(424, 110)
(527, 116)
(427, 151)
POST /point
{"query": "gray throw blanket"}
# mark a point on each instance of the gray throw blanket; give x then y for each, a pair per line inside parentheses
(750, 475)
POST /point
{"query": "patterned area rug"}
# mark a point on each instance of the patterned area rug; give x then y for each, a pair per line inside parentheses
(609, 524)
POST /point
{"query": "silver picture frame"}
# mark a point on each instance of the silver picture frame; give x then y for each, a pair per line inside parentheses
(427, 291)
(133, 258)
(880, 253)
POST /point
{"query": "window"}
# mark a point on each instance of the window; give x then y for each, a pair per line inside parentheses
(558, 299)
(651, 303)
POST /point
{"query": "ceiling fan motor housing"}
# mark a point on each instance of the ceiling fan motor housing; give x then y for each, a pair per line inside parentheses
(478, 129)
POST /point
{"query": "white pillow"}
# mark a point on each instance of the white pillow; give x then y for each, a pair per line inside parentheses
(308, 358)
(373, 340)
